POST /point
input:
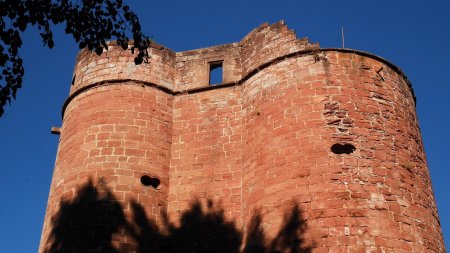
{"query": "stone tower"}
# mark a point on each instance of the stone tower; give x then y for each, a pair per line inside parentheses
(296, 147)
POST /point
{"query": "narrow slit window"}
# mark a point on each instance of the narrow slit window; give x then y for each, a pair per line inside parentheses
(215, 72)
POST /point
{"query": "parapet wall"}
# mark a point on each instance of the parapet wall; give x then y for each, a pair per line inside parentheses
(269, 42)
(192, 67)
(330, 133)
(184, 71)
(116, 64)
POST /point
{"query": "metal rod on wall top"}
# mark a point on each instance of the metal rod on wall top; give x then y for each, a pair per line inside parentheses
(343, 39)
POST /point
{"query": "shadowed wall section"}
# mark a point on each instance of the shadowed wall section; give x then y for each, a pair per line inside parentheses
(94, 221)
(300, 149)
(118, 134)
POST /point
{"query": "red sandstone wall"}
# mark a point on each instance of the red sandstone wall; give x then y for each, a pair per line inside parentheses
(206, 152)
(261, 146)
(111, 136)
(193, 66)
(116, 64)
(365, 201)
(269, 42)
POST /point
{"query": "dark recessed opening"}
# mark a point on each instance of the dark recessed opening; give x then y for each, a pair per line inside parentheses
(215, 72)
(339, 148)
(150, 181)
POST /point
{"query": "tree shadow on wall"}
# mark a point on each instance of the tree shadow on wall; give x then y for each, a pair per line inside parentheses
(87, 223)
(94, 221)
(199, 231)
(289, 238)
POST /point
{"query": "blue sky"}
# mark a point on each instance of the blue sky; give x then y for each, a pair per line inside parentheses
(414, 35)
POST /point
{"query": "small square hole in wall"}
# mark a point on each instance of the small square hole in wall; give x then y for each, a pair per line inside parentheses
(215, 72)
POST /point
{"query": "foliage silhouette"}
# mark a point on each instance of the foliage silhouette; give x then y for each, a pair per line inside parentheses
(145, 232)
(87, 223)
(288, 240)
(204, 231)
(94, 217)
(256, 238)
(91, 24)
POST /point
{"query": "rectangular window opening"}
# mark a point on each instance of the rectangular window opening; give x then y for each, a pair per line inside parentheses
(215, 72)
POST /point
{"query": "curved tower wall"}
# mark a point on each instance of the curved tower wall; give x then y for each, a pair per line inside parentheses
(114, 132)
(377, 197)
(329, 133)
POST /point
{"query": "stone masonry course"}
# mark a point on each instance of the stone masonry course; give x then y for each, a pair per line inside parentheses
(298, 149)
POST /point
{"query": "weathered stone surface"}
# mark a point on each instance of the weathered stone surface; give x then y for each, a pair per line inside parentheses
(257, 144)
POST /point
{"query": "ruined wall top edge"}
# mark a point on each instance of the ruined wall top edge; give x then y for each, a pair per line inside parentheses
(181, 72)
